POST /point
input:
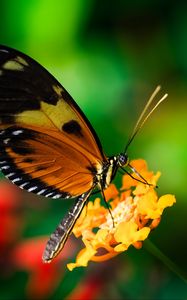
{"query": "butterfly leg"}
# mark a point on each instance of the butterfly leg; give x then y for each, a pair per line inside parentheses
(59, 236)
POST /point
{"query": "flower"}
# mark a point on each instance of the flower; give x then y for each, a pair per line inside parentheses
(134, 212)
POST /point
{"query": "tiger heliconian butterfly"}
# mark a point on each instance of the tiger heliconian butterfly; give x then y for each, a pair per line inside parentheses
(47, 145)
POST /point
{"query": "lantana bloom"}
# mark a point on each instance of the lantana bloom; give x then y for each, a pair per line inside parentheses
(134, 211)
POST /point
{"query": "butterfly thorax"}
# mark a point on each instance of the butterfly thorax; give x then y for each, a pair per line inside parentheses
(108, 170)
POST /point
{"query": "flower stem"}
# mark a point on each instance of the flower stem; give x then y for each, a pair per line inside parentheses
(149, 246)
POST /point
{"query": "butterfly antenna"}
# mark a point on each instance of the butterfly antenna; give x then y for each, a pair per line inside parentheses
(146, 113)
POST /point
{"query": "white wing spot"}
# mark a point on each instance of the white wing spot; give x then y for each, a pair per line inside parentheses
(6, 141)
(41, 192)
(23, 185)
(3, 50)
(17, 132)
(49, 194)
(10, 175)
(16, 179)
(3, 162)
(5, 167)
(57, 196)
(32, 188)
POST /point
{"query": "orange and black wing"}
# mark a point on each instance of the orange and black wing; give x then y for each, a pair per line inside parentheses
(47, 145)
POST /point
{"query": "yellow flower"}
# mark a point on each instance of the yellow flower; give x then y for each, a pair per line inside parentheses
(135, 210)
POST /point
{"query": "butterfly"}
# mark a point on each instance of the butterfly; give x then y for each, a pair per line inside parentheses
(47, 145)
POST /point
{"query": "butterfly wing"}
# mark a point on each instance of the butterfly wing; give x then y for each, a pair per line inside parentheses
(47, 144)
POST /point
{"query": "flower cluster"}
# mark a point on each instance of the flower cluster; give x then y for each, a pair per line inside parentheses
(135, 211)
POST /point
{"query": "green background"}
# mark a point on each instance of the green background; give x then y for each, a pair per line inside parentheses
(110, 56)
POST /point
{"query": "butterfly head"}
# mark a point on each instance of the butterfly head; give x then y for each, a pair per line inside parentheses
(122, 160)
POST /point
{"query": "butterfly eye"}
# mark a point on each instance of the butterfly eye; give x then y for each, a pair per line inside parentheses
(123, 160)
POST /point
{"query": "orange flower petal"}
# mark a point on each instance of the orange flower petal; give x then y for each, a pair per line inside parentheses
(127, 233)
(151, 208)
(139, 164)
(166, 200)
(111, 192)
(83, 257)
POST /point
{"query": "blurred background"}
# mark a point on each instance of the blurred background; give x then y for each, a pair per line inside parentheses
(110, 56)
